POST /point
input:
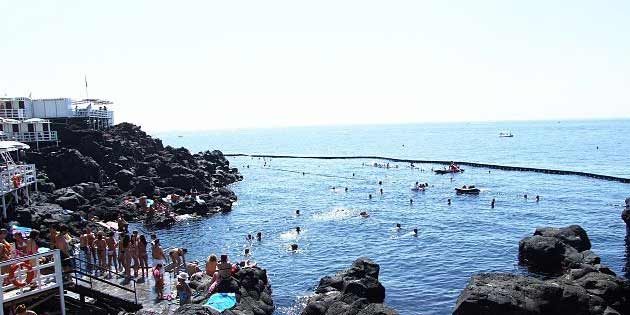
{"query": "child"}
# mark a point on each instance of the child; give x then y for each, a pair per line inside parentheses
(183, 290)
(158, 275)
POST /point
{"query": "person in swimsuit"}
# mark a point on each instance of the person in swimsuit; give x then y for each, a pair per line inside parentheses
(126, 256)
(83, 246)
(5, 253)
(53, 234)
(158, 275)
(211, 265)
(133, 253)
(20, 244)
(121, 252)
(111, 252)
(101, 249)
(157, 253)
(143, 257)
(90, 241)
(62, 244)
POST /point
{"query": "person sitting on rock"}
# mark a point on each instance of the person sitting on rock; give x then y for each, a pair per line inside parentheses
(184, 292)
(224, 273)
(211, 265)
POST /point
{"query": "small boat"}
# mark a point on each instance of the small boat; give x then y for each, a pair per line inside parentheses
(506, 134)
(472, 190)
(449, 171)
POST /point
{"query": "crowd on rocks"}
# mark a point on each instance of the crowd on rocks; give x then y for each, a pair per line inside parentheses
(570, 280)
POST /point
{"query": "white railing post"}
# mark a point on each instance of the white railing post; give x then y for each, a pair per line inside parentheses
(59, 280)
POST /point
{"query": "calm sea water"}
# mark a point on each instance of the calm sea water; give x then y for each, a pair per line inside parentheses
(423, 274)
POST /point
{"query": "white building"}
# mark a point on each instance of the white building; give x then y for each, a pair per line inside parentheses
(29, 120)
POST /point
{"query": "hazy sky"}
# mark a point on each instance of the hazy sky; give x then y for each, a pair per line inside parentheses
(223, 64)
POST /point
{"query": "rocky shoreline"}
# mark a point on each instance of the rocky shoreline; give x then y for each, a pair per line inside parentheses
(92, 175)
(355, 291)
(570, 280)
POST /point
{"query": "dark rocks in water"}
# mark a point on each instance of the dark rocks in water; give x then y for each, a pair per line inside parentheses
(586, 287)
(353, 291)
(252, 289)
(625, 216)
(573, 235)
(551, 250)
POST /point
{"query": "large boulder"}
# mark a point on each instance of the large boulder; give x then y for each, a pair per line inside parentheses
(552, 250)
(353, 291)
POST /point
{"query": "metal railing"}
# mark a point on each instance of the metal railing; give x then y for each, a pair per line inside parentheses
(12, 113)
(42, 281)
(26, 173)
(93, 113)
(83, 275)
(38, 136)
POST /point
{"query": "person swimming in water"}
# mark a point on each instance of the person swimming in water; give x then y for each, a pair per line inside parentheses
(415, 232)
(294, 247)
(381, 191)
(492, 203)
(297, 230)
(346, 189)
(364, 214)
(410, 201)
(380, 182)
(370, 196)
(297, 212)
(259, 236)
(537, 198)
(449, 201)
(398, 227)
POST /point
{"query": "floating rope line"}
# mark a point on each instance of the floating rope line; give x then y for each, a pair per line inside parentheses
(481, 165)
(315, 174)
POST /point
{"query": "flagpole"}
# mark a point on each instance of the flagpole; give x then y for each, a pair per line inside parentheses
(87, 96)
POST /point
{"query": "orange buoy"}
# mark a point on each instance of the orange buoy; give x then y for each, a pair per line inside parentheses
(30, 274)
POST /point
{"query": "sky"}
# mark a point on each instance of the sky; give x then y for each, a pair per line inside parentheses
(201, 65)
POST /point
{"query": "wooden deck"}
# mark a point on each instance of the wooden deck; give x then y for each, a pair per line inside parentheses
(145, 291)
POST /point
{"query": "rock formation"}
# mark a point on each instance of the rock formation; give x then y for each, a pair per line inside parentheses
(353, 291)
(574, 281)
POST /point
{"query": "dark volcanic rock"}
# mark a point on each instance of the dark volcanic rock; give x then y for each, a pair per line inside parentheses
(353, 291)
(586, 287)
(93, 170)
(551, 250)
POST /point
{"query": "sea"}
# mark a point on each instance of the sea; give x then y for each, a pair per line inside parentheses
(423, 273)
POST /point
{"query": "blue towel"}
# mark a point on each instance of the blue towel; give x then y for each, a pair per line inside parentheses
(221, 301)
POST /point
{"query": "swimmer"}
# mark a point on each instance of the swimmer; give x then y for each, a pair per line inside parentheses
(410, 201)
(333, 188)
(302, 173)
(492, 203)
(297, 230)
(352, 174)
(294, 247)
(364, 214)
(525, 196)
(381, 191)
(259, 236)
(449, 201)
(246, 253)
(415, 232)
(370, 196)
(380, 182)
(249, 237)
(297, 212)
(537, 198)
(398, 226)
(346, 189)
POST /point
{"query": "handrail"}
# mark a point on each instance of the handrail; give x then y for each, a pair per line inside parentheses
(12, 113)
(90, 276)
(32, 136)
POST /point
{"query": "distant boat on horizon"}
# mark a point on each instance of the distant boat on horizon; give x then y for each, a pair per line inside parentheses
(506, 134)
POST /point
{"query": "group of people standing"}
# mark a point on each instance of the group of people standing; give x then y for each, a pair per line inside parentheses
(104, 253)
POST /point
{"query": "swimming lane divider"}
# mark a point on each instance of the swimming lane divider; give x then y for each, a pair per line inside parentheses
(482, 165)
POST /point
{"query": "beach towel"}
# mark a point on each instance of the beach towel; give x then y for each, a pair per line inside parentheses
(221, 301)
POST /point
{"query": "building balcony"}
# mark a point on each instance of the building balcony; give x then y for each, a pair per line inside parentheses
(12, 113)
(94, 113)
(9, 176)
(38, 136)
